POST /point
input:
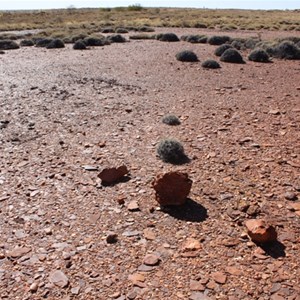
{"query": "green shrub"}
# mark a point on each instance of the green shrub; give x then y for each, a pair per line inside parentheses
(56, 43)
(8, 45)
(93, 41)
(186, 56)
(287, 50)
(116, 38)
(171, 151)
(27, 43)
(232, 56)
(221, 49)
(171, 120)
(210, 64)
(167, 37)
(259, 55)
(218, 40)
(121, 30)
(79, 45)
(43, 42)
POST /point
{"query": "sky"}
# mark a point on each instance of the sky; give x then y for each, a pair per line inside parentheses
(243, 4)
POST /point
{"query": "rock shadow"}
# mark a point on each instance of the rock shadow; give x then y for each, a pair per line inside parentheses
(124, 179)
(274, 249)
(190, 211)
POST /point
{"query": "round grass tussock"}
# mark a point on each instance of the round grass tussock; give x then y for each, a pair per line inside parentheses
(27, 43)
(210, 64)
(186, 56)
(221, 49)
(121, 30)
(171, 120)
(171, 151)
(43, 42)
(93, 41)
(8, 45)
(56, 44)
(116, 38)
(218, 40)
(79, 45)
(232, 56)
(108, 30)
(287, 50)
(167, 37)
(259, 55)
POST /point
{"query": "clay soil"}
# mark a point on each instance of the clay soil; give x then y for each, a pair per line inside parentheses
(65, 115)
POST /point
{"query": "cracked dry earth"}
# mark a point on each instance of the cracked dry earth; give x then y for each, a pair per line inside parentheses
(65, 115)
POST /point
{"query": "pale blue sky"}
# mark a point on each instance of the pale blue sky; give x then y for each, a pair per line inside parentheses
(254, 4)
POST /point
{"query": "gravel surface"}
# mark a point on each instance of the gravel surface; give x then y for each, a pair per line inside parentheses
(65, 115)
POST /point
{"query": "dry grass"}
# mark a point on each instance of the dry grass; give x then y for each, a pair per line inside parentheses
(70, 20)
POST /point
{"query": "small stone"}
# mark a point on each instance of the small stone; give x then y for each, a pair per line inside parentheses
(149, 234)
(132, 295)
(260, 231)
(274, 112)
(290, 196)
(295, 206)
(172, 188)
(18, 252)
(115, 295)
(112, 238)
(133, 206)
(137, 279)
(234, 271)
(90, 168)
(75, 290)
(277, 297)
(151, 260)
(196, 286)
(219, 277)
(191, 244)
(34, 287)
(59, 278)
(198, 296)
(112, 175)
(48, 231)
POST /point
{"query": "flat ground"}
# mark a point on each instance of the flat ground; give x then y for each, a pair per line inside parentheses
(66, 109)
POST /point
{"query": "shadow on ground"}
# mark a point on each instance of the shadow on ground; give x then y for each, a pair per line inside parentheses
(191, 211)
(275, 249)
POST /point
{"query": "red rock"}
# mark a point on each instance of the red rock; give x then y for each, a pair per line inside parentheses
(196, 286)
(219, 277)
(149, 234)
(18, 252)
(295, 206)
(59, 278)
(172, 188)
(111, 175)
(151, 260)
(234, 271)
(133, 206)
(191, 245)
(260, 231)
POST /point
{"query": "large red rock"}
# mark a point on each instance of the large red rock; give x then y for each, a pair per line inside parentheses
(172, 188)
(260, 231)
(112, 175)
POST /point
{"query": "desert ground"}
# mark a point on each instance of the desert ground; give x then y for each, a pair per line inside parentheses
(66, 115)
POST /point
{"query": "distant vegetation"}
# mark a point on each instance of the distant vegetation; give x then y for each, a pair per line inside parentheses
(90, 20)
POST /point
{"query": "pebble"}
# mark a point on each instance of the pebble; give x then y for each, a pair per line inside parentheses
(34, 287)
(112, 238)
(18, 252)
(219, 277)
(260, 231)
(133, 206)
(151, 260)
(149, 234)
(59, 278)
(290, 196)
(198, 296)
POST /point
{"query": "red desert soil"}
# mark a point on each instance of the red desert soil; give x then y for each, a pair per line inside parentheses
(72, 113)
